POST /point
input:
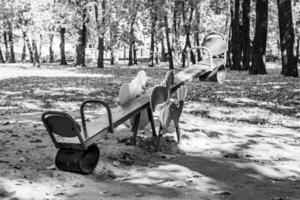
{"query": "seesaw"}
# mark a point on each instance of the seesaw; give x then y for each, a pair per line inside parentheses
(78, 151)
(80, 154)
(210, 69)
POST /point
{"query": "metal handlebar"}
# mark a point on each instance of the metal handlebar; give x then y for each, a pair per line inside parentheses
(204, 48)
(83, 117)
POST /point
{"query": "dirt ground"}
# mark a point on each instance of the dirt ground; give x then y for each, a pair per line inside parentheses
(240, 140)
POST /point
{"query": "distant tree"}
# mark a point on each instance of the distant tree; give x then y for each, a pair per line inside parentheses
(197, 31)
(1, 56)
(258, 65)
(36, 58)
(287, 37)
(235, 36)
(51, 52)
(187, 29)
(81, 41)
(100, 25)
(246, 35)
(163, 49)
(170, 55)
(6, 46)
(11, 43)
(63, 60)
(153, 15)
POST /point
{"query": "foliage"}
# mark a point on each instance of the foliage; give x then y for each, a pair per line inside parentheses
(44, 17)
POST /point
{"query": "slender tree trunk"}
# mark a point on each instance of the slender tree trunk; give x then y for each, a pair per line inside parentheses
(229, 50)
(6, 46)
(124, 54)
(258, 65)
(29, 47)
(23, 57)
(156, 54)
(130, 59)
(40, 48)
(178, 9)
(36, 60)
(51, 53)
(112, 57)
(153, 24)
(197, 33)
(163, 50)
(187, 28)
(63, 60)
(134, 54)
(100, 60)
(287, 36)
(246, 34)
(80, 47)
(170, 56)
(132, 40)
(11, 43)
(236, 45)
(297, 52)
(1, 56)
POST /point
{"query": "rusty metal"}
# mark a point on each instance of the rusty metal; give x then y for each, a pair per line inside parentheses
(79, 161)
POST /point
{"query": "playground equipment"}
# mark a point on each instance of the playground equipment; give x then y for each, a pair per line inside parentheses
(211, 67)
(171, 111)
(77, 149)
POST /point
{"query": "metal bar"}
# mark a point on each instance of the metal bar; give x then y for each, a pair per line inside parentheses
(204, 48)
(150, 114)
(111, 129)
(135, 127)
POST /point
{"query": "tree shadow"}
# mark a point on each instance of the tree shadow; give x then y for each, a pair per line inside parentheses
(244, 180)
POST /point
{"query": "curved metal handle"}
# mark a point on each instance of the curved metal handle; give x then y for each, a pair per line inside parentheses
(214, 33)
(108, 113)
(204, 48)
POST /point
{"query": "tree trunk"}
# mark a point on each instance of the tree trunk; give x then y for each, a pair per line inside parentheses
(112, 53)
(11, 43)
(130, 59)
(51, 53)
(40, 48)
(1, 56)
(187, 28)
(134, 54)
(132, 40)
(152, 43)
(170, 56)
(258, 65)
(287, 36)
(246, 34)
(156, 54)
(63, 60)
(29, 47)
(236, 45)
(178, 9)
(81, 42)
(100, 60)
(6, 46)
(23, 57)
(163, 49)
(297, 52)
(112, 57)
(36, 60)
(197, 33)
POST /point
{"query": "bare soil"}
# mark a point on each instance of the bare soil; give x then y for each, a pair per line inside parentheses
(240, 140)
